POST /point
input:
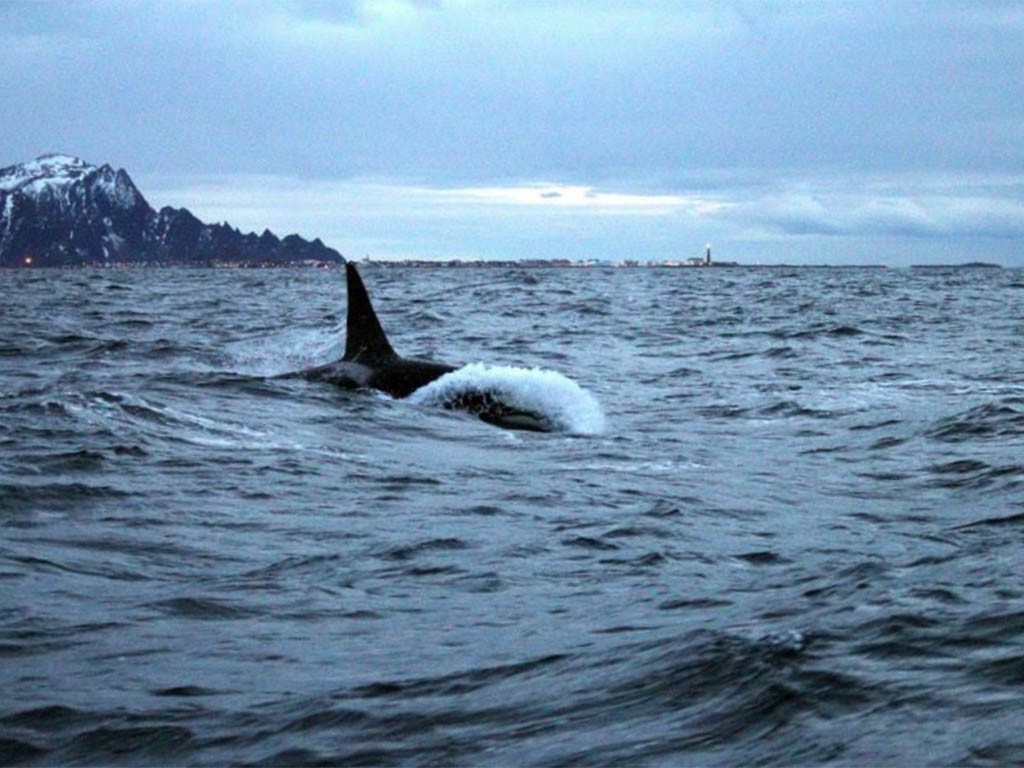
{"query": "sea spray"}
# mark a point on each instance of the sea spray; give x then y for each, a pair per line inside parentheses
(560, 400)
(283, 352)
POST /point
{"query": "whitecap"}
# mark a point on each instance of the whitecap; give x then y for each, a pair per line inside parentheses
(562, 402)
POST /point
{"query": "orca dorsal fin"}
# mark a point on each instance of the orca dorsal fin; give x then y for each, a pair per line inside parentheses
(364, 340)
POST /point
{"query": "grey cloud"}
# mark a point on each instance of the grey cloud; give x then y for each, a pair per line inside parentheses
(726, 99)
(925, 209)
(586, 92)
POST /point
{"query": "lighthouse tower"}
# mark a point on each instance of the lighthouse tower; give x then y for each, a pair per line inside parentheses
(707, 255)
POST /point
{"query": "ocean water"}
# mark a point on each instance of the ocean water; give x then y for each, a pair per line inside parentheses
(781, 521)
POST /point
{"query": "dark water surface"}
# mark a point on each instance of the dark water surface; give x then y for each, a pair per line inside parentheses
(796, 539)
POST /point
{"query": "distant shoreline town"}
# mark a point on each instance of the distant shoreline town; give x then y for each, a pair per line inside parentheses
(484, 264)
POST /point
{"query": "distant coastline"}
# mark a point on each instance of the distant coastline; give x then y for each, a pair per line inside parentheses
(682, 264)
(400, 263)
(490, 264)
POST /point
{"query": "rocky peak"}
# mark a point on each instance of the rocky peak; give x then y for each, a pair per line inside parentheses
(59, 209)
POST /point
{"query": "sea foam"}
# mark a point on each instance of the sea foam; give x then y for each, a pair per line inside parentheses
(559, 399)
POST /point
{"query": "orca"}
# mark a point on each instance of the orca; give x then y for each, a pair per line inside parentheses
(370, 362)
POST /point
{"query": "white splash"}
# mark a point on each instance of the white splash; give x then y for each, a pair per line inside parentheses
(559, 399)
(287, 351)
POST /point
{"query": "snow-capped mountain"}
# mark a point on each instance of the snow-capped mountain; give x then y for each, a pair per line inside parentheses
(59, 210)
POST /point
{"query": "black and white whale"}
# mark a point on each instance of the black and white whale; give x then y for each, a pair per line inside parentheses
(371, 362)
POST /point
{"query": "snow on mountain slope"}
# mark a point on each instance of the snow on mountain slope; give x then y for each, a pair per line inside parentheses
(48, 170)
(60, 210)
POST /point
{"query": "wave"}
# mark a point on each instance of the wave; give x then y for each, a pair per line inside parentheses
(559, 400)
(999, 420)
(284, 352)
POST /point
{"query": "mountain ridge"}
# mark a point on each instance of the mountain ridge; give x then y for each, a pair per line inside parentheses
(59, 210)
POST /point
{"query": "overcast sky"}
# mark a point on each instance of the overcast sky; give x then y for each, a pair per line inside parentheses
(860, 132)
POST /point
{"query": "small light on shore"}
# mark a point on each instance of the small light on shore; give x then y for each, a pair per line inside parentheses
(28, 261)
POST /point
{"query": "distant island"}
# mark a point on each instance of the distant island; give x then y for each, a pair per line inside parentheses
(59, 211)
